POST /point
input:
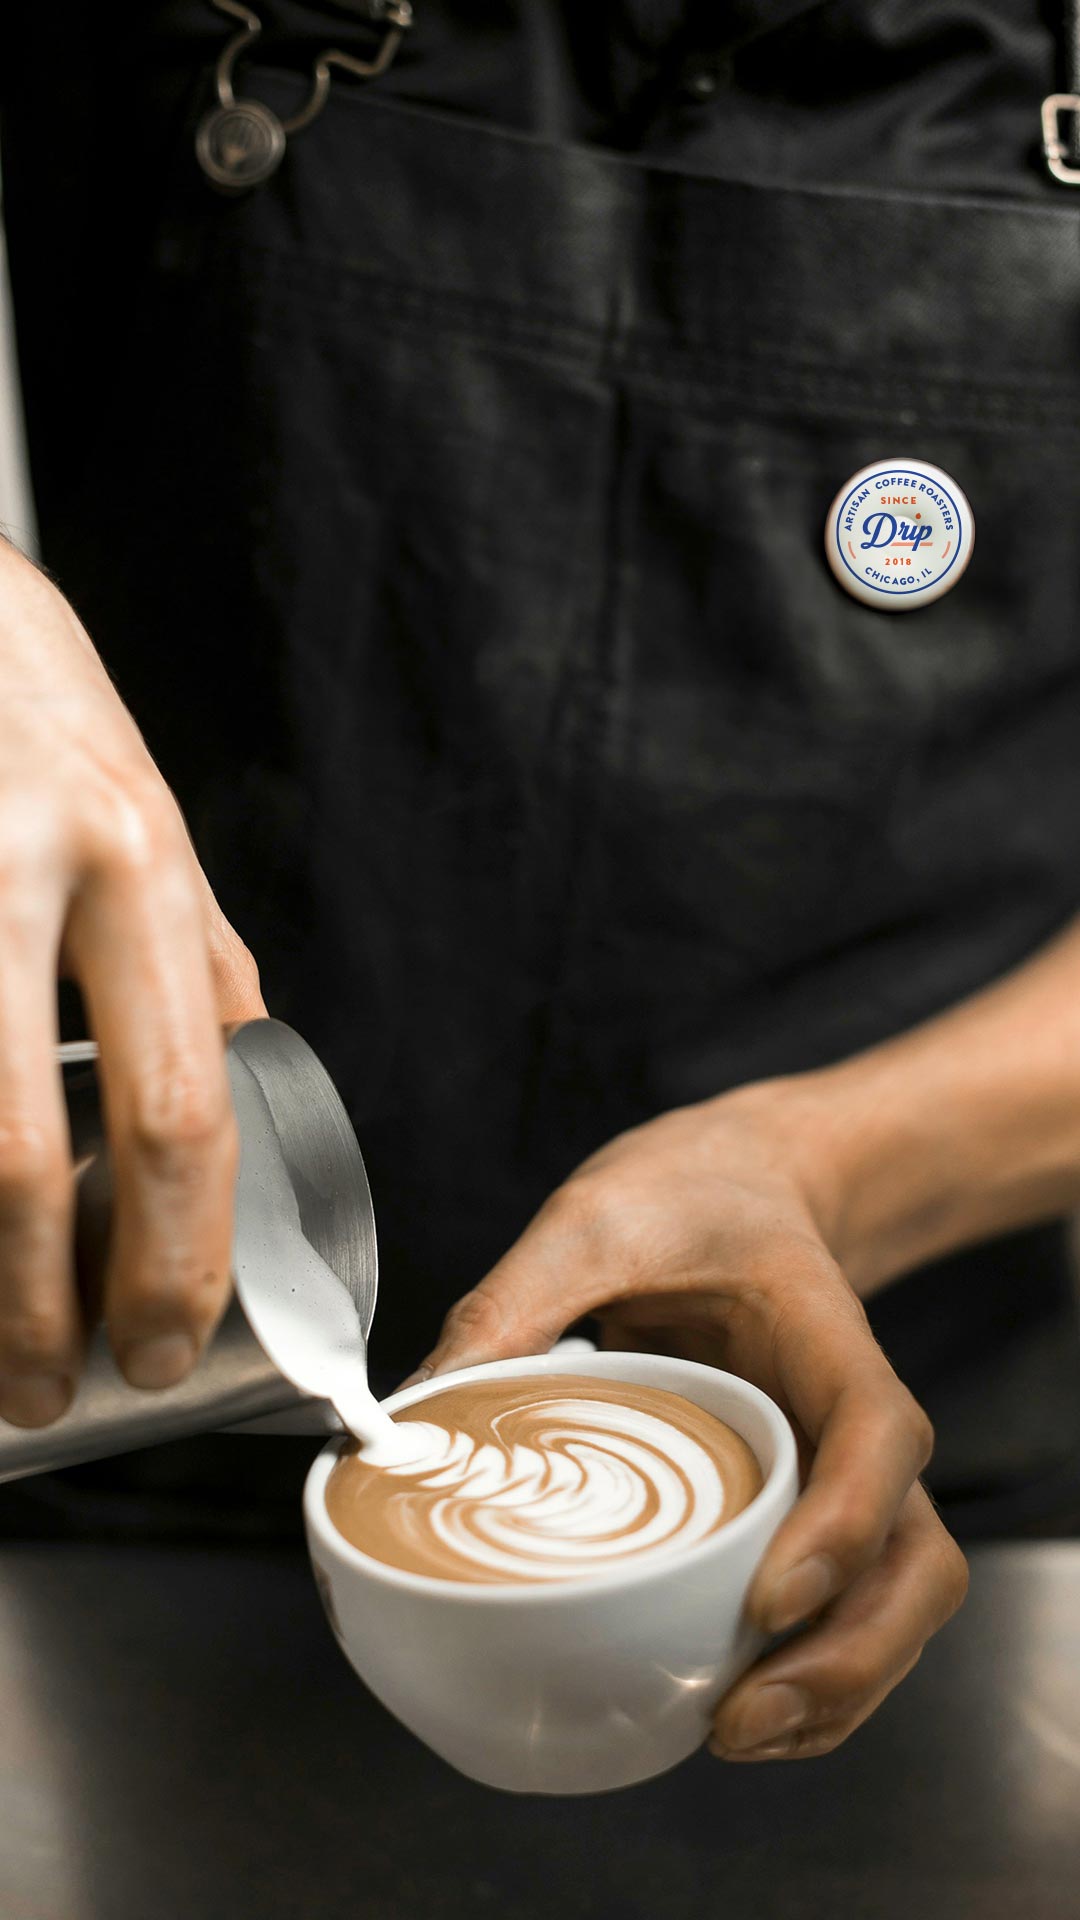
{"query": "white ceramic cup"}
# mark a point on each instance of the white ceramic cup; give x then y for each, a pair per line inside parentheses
(569, 1686)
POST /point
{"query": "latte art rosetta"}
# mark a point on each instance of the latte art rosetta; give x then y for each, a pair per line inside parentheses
(543, 1478)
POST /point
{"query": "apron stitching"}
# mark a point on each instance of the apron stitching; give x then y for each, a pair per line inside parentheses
(471, 319)
(1015, 414)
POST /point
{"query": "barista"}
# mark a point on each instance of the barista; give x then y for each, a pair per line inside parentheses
(448, 510)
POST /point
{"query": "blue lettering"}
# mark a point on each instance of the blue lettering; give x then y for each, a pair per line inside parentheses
(884, 530)
(915, 534)
(853, 505)
(875, 525)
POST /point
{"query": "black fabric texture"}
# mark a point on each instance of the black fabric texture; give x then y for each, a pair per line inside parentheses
(449, 511)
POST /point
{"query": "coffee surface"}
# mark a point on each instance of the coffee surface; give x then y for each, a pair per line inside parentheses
(548, 1477)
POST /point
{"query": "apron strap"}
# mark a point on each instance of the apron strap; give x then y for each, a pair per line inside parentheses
(1072, 46)
(1061, 111)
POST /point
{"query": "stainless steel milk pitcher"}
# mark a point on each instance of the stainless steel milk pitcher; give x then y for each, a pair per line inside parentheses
(234, 1382)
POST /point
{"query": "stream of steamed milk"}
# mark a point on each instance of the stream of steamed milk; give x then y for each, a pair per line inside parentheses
(326, 1345)
(303, 1314)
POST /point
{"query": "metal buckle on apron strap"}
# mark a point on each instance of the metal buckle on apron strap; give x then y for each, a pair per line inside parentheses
(240, 143)
(1062, 148)
(1057, 146)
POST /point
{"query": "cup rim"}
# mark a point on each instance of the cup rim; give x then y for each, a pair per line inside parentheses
(655, 1562)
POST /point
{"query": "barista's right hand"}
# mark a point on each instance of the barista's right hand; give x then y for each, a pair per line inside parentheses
(99, 882)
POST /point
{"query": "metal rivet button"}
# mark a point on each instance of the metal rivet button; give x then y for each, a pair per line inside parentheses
(240, 145)
(700, 79)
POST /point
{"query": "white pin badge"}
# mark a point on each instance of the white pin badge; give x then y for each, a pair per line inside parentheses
(899, 534)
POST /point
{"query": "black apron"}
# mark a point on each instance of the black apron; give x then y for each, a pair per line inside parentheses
(449, 511)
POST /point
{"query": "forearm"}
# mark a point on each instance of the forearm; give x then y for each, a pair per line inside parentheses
(963, 1128)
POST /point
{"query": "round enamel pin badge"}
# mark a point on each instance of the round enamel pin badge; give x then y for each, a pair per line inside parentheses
(899, 534)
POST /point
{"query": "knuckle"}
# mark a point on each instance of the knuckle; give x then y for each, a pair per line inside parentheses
(133, 822)
(921, 1430)
(818, 1741)
(33, 1339)
(178, 1118)
(907, 1669)
(182, 1289)
(575, 1207)
(855, 1674)
(896, 1424)
(799, 1263)
(32, 1163)
(956, 1578)
(858, 1530)
(495, 1324)
(475, 1318)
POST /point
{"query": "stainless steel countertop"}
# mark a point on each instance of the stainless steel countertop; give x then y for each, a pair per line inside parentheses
(181, 1740)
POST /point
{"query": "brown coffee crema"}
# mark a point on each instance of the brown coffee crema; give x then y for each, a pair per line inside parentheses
(544, 1477)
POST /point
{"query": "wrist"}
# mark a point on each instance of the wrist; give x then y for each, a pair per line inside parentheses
(874, 1169)
(940, 1138)
(885, 1174)
(804, 1128)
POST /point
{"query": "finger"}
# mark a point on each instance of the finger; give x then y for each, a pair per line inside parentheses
(138, 942)
(872, 1440)
(40, 1328)
(815, 1351)
(807, 1340)
(550, 1277)
(810, 1695)
(233, 968)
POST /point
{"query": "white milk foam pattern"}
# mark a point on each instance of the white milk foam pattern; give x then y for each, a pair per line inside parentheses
(597, 1482)
(566, 1478)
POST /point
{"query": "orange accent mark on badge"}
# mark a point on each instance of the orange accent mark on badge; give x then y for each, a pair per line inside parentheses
(948, 544)
(851, 549)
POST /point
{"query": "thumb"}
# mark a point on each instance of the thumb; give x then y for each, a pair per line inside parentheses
(486, 1324)
(521, 1307)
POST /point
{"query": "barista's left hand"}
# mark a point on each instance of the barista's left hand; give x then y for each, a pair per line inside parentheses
(703, 1234)
(740, 1231)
